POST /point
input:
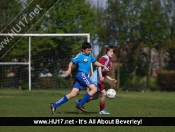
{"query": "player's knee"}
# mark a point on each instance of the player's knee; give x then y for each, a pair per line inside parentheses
(103, 93)
(95, 90)
(72, 95)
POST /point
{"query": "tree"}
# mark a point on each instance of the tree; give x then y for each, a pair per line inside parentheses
(168, 42)
(9, 10)
(119, 23)
(135, 22)
(61, 16)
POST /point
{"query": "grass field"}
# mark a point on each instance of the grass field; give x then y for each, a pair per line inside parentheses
(15, 103)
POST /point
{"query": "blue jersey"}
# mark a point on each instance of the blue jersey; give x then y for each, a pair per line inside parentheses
(84, 62)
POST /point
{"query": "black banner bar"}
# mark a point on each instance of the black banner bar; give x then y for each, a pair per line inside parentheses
(87, 121)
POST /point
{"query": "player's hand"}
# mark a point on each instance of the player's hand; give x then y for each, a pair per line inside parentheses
(107, 69)
(113, 80)
(102, 78)
(68, 72)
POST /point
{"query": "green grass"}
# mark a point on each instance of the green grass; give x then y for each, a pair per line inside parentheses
(15, 103)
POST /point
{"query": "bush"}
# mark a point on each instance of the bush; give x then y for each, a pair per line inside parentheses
(130, 86)
(166, 81)
(63, 82)
(153, 85)
(138, 85)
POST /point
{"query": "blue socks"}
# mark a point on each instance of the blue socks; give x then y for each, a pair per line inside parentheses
(84, 100)
(63, 100)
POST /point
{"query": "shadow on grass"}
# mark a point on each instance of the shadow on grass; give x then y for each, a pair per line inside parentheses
(79, 112)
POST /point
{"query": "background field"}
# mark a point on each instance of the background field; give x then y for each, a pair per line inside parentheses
(15, 103)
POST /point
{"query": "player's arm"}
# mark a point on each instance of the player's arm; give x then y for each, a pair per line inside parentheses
(69, 68)
(101, 65)
(100, 74)
(111, 79)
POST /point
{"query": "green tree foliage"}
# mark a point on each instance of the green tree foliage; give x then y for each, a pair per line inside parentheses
(9, 10)
(66, 16)
(54, 16)
(116, 22)
(63, 16)
(139, 24)
(170, 40)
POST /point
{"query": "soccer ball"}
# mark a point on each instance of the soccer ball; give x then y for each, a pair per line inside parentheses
(111, 93)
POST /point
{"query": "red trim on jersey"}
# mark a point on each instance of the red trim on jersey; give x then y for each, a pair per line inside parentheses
(102, 61)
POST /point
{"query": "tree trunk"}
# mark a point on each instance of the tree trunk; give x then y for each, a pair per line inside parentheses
(160, 60)
(149, 68)
(135, 65)
(118, 75)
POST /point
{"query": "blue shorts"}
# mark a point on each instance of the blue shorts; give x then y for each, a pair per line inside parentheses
(82, 81)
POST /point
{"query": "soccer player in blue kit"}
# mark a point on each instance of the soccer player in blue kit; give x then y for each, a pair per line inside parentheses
(84, 60)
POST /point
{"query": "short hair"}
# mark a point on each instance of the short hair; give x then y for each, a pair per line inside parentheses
(86, 45)
(109, 48)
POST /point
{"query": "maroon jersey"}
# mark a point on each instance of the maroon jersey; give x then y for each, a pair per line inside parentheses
(109, 65)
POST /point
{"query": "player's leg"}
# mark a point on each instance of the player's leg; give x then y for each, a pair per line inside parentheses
(87, 96)
(73, 93)
(103, 103)
(84, 81)
(95, 96)
(95, 79)
(63, 100)
(102, 99)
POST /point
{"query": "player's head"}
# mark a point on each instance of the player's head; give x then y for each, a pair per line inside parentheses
(110, 51)
(86, 47)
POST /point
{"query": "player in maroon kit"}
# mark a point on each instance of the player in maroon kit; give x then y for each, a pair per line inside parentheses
(98, 77)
